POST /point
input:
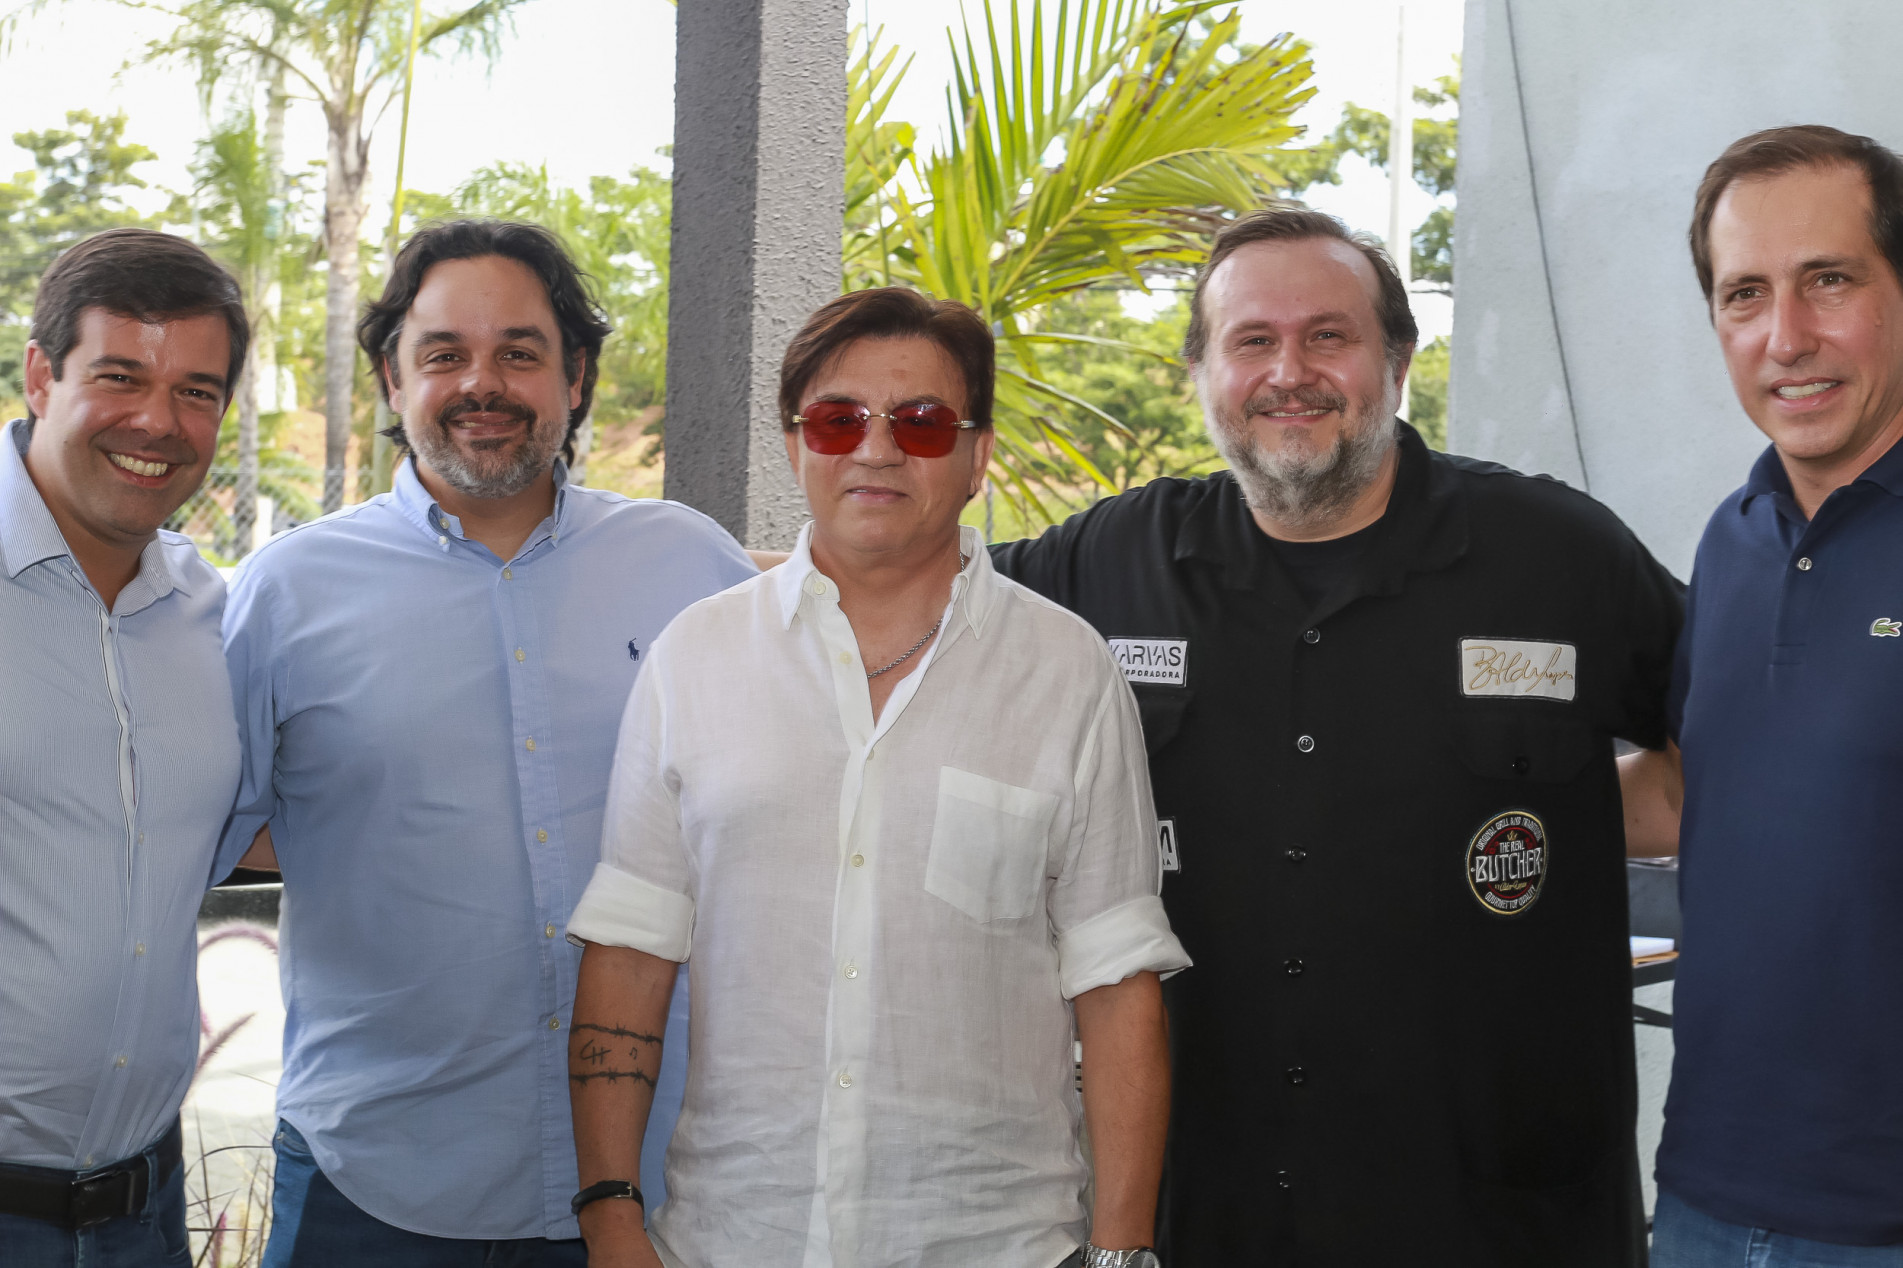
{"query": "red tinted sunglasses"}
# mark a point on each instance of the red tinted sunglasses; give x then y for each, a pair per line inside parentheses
(922, 429)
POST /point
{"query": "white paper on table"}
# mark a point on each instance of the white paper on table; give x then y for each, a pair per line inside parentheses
(1643, 947)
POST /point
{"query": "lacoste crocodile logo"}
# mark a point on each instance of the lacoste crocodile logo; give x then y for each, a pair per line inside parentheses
(1885, 627)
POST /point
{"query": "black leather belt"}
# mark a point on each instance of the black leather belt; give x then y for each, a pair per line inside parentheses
(80, 1199)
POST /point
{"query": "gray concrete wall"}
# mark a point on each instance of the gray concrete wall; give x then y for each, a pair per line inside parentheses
(1581, 345)
(759, 198)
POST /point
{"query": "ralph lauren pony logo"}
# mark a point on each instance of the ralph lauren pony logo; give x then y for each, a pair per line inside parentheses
(634, 651)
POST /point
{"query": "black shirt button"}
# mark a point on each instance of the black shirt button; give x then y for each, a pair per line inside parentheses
(1306, 744)
(1521, 765)
(1284, 1180)
(1294, 967)
(1297, 1075)
(1311, 636)
(1296, 854)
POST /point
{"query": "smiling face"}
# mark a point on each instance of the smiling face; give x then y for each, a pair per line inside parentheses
(126, 432)
(479, 378)
(1297, 388)
(878, 499)
(1810, 316)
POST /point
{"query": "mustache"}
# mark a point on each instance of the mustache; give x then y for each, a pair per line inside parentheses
(1275, 401)
(169, 450)
(497, 404)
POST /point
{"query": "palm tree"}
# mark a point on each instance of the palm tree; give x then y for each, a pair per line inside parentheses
(1099, 149)
(348, 56)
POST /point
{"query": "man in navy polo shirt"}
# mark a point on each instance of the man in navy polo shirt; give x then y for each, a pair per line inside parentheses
(1783, 1142)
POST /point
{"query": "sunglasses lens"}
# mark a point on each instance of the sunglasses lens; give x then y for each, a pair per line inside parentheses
(925, 431)
(833, 427)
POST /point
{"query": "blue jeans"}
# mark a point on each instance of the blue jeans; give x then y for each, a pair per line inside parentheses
(315, 1226)
(154, 1238)
(1686, 1238)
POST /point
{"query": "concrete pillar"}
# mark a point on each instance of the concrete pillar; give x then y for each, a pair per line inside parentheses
(759, 202)
(1581, 344)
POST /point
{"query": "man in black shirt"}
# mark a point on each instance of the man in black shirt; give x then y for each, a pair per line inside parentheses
(1379, 689)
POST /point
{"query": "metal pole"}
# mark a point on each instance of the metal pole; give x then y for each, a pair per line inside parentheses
(1401, 163)
(382, 452)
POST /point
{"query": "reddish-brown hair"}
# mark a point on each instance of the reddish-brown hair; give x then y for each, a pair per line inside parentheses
(892, 312)
(1778, 150)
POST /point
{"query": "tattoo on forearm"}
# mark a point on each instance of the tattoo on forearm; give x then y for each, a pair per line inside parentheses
(602, 1054)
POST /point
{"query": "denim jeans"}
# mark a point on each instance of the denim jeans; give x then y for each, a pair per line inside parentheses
(315, 1226)
(154, 1238)
(1686, 1238)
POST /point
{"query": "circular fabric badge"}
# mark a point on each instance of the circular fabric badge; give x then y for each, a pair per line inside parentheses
(1506, 862)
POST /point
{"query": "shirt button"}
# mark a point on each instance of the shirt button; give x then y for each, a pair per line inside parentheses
(1296, 854)
(519, 656)
(1521, 766)
(441, 540)
(1311, 636)
(1803, 565)
(121, 1063)
(851, 971)
(548, 931)
(554, 1023)
(845, 658)
(541, 834)
(1306, 744)
(1297, 1075)
(142, 838)
(531, 744)
(845, 1080)
(139, 950)
(1293, 967)
(815, 586)
(508, 574)
(858, 860)
(1283, 1180)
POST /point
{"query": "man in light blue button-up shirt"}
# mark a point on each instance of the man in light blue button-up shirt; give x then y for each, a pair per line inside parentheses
(118, 753)
(431, 684)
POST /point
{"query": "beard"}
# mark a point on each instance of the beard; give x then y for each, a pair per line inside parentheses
(1301, 485)
(497, 468)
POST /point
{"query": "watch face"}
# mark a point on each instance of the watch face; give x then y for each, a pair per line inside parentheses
(1146, 1259)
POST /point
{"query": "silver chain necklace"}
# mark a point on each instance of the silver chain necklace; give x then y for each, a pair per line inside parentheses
(912, 651)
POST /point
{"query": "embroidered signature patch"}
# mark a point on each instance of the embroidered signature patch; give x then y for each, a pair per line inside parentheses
(1506, 862)
(1514, 667)
(1152, 660)
(1166, 845)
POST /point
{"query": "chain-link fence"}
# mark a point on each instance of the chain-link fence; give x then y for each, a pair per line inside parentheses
(228, 520)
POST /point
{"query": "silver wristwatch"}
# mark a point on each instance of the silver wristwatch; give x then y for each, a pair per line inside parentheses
(1098, 1257)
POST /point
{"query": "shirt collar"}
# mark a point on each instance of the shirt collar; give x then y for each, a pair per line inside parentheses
(30, 535)
(1769, 478)
(974, 590)
(415, 504)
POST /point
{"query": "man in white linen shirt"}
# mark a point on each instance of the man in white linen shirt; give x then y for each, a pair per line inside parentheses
(895, 807)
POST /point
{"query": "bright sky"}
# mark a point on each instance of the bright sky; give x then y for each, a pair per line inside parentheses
(587, 87)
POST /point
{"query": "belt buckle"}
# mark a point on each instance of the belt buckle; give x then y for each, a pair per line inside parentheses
(107, 1196)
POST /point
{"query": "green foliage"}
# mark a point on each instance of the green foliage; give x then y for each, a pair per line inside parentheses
(1427, 392)
(617, 231)
(1096, 150)
(81, 177)
(1131, 372)
(1366, 132)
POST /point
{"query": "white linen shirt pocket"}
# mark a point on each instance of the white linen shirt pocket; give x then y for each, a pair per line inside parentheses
(990, 841)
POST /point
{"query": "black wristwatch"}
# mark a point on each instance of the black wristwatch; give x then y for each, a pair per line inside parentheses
(606, 1189)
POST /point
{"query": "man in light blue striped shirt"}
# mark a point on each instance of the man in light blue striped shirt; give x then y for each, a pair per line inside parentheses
(431, 685)
(118, 751)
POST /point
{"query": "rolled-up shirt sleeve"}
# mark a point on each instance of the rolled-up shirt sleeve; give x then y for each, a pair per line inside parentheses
(1105, 905)
(641, 893)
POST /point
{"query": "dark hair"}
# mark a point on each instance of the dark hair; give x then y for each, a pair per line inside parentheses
(1778, 150)
(1296, 224)
(892, 312)
(148, 276)
(584, 327)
